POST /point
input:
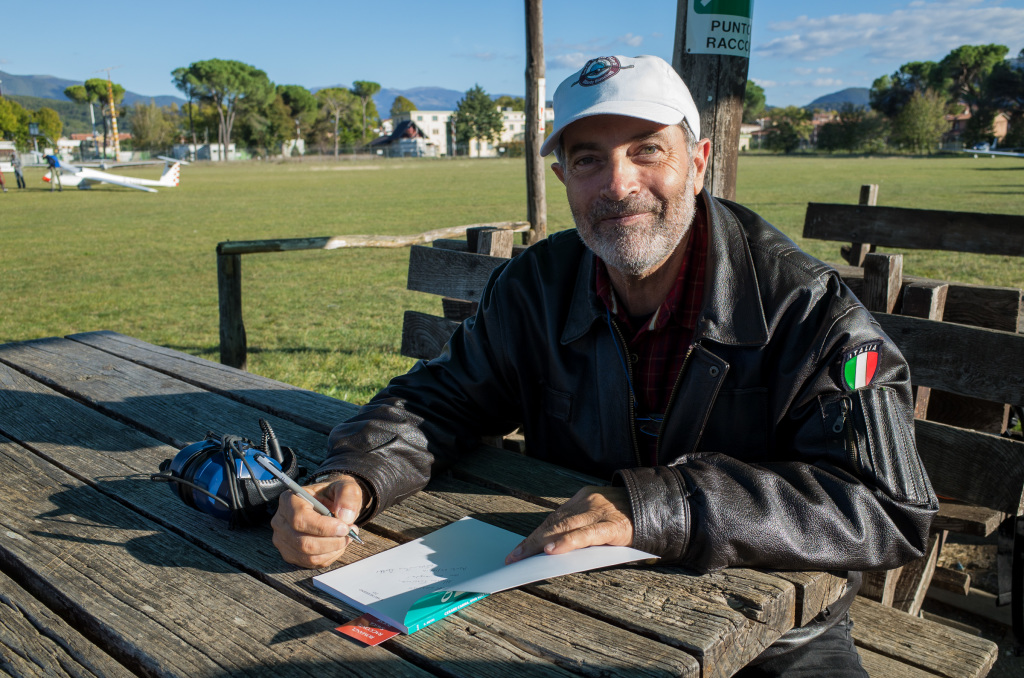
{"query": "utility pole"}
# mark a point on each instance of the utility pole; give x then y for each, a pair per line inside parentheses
(712, 54)
(536, 93)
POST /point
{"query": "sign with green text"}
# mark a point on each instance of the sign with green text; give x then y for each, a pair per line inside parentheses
(719, 27)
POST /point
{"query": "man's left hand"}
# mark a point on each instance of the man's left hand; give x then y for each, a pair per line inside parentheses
(595, 516)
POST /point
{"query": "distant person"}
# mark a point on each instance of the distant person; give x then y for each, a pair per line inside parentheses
(54, 164)
(18, 176)
(2, 184)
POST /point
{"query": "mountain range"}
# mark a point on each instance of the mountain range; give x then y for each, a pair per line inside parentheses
(425, 98)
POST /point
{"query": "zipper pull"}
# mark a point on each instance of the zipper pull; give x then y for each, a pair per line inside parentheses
(840, 422)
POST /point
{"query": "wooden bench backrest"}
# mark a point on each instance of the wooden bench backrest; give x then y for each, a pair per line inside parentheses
(903, 228)
(455, 270)
(971, 466)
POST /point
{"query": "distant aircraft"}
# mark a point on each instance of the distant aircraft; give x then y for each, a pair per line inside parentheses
(85, 177)
(985, 148)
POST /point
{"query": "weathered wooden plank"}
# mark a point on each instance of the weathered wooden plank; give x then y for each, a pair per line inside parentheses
(880, 666)
(424, 335)
(724, 619)
(949, 579)
(904, 228)
(112, 458)
(967, 360)
(951, 455)
(967, 518)
(229, 294)
(341, 241)
(814, 592)
(880, 586)
(916, 575)
(854, 253)
(36, 642)
(997, 308)
(164, 407)
(883, 279)
(924, 299)
(149, 598)
(926, 645)
(457, 309)
(461, 275)
(306, 408)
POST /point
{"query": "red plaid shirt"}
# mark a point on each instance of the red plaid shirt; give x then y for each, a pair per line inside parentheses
(657, 345)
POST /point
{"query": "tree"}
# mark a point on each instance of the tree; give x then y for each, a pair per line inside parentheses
(921, 123)
(515, 103)
(364, 89)
(477, 117)
(790, 126)
(13, 121)
(1005, 92)
(753, 102)
(337, 102)
(967, 67)
(226, 84)
(49, 122)
(96, 90)
(152, 127)
(889, 94)
(185, 81)
(302, 106)
(401, 105)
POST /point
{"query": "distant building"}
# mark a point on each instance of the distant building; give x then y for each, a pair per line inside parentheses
(407, 140)
(436, 126)
(204, 152)
(958, 124)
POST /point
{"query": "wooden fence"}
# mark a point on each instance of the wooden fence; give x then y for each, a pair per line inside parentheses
(233, 345)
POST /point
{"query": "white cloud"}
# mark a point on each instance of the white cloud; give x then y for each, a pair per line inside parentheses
(924, 30)
(572, 61)
(632, 40)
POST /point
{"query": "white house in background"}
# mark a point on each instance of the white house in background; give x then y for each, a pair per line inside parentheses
(203, 152)
(436, 126)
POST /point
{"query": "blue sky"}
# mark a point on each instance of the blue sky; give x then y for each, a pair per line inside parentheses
(802, 49)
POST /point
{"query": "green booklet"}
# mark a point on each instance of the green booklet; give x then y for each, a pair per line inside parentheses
(416, 584)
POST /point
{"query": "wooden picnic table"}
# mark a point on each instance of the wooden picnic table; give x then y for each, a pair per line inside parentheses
(105, 572)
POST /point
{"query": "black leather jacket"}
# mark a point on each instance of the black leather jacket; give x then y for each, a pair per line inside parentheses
(767, 458)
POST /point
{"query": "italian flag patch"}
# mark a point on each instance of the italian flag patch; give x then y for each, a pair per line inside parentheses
(859, 365)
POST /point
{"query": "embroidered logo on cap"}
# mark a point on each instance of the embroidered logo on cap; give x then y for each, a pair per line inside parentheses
(598, 70)
(859, 365)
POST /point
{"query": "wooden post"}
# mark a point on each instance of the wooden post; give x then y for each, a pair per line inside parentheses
(925, 299)
(883, 278)
(718, 83)
(536, 93)
(854, 253)
(232, 330)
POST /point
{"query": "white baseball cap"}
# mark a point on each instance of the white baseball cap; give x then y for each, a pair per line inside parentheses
(645, 87)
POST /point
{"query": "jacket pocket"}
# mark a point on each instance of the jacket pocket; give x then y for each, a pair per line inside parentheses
(889, 446)
(558, 404)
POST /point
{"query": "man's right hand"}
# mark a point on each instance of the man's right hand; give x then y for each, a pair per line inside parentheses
(308, 539)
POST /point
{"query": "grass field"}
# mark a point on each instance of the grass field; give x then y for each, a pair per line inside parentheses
(144, 264)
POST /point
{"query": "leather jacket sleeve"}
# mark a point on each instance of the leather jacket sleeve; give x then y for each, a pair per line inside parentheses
(843, 487)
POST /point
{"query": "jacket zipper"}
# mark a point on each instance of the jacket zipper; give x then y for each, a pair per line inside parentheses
(668, 406)
(632, 408)
(851, 439)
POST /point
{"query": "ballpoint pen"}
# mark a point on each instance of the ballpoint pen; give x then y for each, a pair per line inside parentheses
(268, 464)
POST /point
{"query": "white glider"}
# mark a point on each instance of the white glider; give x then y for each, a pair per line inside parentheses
(86, 177)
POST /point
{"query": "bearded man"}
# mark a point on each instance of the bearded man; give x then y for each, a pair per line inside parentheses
(681, 347)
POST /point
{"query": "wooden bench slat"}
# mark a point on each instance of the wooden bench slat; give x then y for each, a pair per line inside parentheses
(950, 456)
(449, 273)
(926, 645)
(970, 361)
(423, 335)
(905, 228)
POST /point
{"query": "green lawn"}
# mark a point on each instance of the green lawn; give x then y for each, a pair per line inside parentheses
(144, 264)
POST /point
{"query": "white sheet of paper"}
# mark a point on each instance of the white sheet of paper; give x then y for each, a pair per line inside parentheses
(465, 556)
